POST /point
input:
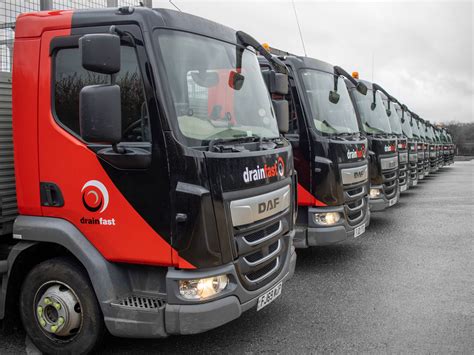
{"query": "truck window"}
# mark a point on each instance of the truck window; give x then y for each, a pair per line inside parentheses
(208, 103)
(70, 77)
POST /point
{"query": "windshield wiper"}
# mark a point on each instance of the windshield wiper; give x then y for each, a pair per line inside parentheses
(379, 131)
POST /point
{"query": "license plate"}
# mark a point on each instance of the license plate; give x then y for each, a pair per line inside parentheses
(269, 296)
(415, 182)
(359, 230)
(392, 202)
(403, 188)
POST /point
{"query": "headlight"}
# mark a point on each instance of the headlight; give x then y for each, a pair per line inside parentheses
(374, 193)
(203, 288)
(327, 218)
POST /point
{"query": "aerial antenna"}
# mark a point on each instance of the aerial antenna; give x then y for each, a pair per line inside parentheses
(171, 2)
(373, 65)
(299, 28)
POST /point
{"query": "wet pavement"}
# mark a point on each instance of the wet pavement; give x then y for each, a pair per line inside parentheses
(406, 286)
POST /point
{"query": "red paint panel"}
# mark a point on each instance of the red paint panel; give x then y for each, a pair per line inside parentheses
(118, 232)
(306, 199)
(35, 23)
(25, 124)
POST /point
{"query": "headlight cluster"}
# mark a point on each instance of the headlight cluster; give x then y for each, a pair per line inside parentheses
(374, 193)
(327, 218)
(199, 289)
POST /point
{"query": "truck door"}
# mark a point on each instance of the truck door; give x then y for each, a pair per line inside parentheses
(121, 205)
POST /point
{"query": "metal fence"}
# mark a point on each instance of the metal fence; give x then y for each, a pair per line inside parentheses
(10, 9)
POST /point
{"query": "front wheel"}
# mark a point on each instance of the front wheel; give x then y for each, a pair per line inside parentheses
(59, 309)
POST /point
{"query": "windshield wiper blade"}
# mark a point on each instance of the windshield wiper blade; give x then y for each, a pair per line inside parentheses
(329, 125)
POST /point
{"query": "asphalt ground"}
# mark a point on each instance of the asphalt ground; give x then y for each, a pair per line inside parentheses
(406, 286)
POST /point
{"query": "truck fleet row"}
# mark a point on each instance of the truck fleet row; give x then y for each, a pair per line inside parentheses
(165, 167)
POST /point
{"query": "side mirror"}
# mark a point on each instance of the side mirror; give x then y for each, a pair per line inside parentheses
(373, 105)
(362, 88)
(277, 83)
(236, 80)
(282, 114)
(100, 118)
(100, 52)
(334, 97)
(389, 113)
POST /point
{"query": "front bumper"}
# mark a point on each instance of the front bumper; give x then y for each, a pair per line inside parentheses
(178, 316)
(382, 202)
(313, 235)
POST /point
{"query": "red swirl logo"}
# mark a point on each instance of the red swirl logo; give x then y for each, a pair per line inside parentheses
(95, 196)
(281, 166)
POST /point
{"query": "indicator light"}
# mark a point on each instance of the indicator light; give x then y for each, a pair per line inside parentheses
(355, 74)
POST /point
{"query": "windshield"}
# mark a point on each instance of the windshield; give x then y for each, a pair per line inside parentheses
(212, 98)
(414, 128)
(406, 128)
(430, 133)
(421, 129)
(394, 118)
(376, 120)
(328, 117)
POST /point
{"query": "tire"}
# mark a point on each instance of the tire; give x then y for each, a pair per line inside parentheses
(69, 285)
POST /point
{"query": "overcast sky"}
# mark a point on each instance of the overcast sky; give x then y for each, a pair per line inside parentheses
(422, 50)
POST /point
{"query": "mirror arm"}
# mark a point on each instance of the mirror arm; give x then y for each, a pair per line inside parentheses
(374, 104)
(339, 71)
(246, 40)
(336, 79)
(117, 149)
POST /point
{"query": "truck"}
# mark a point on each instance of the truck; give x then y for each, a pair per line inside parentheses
(393, 109)
(451, 147)
(413, 149)
(421, 148)
(382, 145)
(426, 146)
(330, 152)
(446, 149)
(150, 192)
(433, 147)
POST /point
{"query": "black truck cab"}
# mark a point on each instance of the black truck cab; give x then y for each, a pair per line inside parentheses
(393, 109)
(383, 154)
(329, 153)
(413, 149)
(421, 148)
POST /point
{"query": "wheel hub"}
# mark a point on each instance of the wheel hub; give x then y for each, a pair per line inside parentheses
(58, 311)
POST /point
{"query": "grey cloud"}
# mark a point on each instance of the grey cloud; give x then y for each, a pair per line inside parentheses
(423, 50)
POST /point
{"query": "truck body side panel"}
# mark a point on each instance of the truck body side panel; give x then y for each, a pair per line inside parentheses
(25, 124)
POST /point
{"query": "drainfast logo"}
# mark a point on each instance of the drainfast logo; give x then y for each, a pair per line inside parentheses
(402, 145)
(95, 198)
(389, 148)
(265, 172)
(356, 153)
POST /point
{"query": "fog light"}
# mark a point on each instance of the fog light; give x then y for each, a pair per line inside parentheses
(374, 193)
(203, 288)
(327, 218)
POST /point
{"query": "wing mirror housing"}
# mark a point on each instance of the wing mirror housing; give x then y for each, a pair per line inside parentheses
(282, 114)
(277, 83)
(362, 88)
(100, 118)
(100, 52)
